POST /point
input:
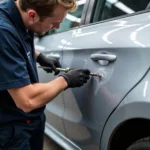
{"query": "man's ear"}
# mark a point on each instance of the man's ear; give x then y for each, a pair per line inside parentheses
(33, 16)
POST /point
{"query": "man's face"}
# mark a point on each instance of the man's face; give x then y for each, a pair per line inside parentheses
(41, 27)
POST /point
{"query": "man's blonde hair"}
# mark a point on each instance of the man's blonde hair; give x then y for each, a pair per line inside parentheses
(45, 8)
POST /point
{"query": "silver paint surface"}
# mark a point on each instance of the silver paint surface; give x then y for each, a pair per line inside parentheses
(81, 113)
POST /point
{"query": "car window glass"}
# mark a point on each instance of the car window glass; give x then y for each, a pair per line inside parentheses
(72, 19)
(115, 8)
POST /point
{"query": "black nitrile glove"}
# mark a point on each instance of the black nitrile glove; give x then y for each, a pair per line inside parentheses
(49, 62)
(76, 78)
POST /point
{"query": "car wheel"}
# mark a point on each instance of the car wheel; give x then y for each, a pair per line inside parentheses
(143, 144)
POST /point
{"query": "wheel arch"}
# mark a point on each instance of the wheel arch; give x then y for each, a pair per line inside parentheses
(126, 116)
(129, 132)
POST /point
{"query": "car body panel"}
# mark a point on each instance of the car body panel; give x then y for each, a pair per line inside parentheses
(135, 105)
(87, 108)
(85, 117)
(51, 46)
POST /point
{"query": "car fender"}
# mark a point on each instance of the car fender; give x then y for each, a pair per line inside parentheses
(135, 105)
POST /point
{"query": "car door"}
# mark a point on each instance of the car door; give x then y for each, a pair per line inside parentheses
(51, 46)
(116, 50)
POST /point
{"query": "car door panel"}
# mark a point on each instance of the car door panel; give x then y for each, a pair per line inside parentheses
(51, 46)
(87, 108)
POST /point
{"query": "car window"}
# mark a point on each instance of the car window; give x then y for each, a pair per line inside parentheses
(72, 19)
(115, 8)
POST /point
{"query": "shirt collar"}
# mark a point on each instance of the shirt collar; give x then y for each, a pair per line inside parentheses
(16, 19)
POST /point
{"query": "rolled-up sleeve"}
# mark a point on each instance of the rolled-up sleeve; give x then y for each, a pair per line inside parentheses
(13, 68)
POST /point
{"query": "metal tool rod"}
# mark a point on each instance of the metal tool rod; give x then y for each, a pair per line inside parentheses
(68, 69)
(95, 74)
(63, 69)
(59, 69)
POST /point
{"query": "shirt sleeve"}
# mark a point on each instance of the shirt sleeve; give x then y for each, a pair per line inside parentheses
(13, 68)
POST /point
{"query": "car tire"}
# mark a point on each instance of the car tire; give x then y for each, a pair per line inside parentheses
(143, 144)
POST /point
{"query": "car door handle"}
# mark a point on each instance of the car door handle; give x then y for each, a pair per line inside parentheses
(103, 56)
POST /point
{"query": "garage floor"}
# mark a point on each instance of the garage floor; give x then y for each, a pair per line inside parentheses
(50, 145)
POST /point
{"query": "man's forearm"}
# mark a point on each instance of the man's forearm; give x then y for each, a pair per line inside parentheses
(36, 95)
(46, 92)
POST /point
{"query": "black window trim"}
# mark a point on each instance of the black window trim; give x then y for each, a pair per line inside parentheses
(114, 18)
(84, 12)
(90, 9)
(88, 12)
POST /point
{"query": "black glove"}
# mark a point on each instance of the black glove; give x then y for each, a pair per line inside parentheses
(76, 78)
(53, 63)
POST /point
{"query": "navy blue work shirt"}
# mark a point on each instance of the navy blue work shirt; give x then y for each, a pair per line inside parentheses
(17, 62)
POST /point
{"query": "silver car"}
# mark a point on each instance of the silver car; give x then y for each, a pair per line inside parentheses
(112, 38)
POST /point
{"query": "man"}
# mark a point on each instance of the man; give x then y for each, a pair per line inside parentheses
(22, 98)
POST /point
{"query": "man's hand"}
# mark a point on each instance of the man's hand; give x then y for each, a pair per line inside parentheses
(49, 62)
(77, 78)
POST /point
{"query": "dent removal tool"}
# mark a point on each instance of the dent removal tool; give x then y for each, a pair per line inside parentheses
(68, 69)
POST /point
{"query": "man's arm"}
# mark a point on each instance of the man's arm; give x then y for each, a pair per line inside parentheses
(16, 80)
(34, 96)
